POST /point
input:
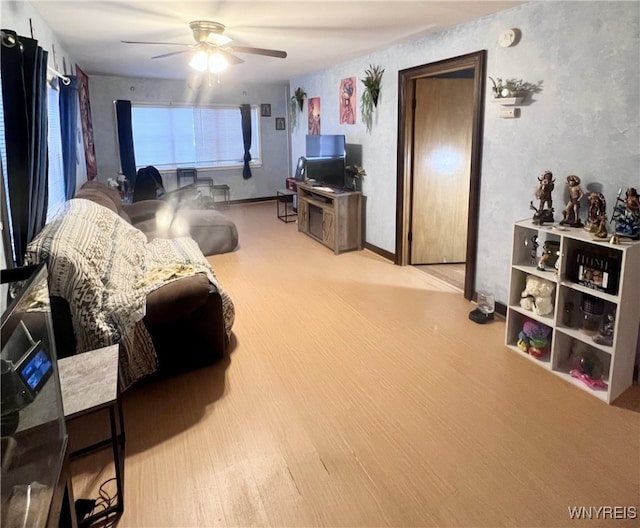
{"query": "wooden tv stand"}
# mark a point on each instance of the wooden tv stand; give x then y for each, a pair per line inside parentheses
(332, 218)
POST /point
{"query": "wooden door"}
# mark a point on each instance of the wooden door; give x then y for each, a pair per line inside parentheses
(442, 169)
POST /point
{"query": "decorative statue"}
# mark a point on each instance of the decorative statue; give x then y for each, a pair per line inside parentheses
(586, 366)
(543, 193)
(597, 215)
(571, 212)
(626, 214)
(550, 254)
(602, 231)
(534, 248)
(605, 336)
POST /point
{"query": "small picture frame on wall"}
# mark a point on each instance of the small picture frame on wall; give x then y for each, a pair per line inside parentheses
(265, 110)
(280, 123)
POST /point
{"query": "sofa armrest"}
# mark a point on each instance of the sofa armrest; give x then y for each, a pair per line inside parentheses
(176, 299)
(143, 210)
(187, 192)
(191, 342)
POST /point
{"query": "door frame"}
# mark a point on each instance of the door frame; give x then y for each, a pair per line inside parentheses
(404, 184)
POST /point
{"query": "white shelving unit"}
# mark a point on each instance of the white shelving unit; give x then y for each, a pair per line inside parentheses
(617, 359)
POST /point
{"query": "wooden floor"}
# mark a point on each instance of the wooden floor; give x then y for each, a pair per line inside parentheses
(452, 274)
(359, 394)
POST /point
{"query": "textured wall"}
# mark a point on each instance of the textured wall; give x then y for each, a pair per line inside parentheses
(266, 179)
(585, 121)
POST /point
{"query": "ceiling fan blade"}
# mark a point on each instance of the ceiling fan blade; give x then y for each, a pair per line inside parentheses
(162, 43)
(170, 54)
(260, 51)
(231, 59)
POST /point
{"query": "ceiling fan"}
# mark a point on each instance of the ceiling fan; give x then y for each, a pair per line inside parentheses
(211, 51)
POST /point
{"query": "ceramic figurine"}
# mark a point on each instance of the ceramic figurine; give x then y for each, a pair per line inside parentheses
(586, 366)
(597, 215)
(605, 336)
(627, 214)
(550, 254)
(543, 194)
(571, 212)
(568, 314)
(534, 248)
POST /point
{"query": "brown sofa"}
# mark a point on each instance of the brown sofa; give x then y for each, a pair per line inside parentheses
(170, 217)
(184, 317)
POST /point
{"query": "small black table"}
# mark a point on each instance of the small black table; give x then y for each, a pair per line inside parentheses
(285, 197)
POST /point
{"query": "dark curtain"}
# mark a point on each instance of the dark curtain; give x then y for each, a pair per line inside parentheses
(24, 81)
(245, 111)
(125, 141)
(69, 130)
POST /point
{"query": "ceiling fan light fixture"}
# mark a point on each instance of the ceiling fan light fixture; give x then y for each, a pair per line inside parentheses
(200, 61)
(217, 62)
(213, 62)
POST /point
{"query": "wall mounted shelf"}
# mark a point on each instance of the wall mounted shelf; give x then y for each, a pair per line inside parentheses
(507, 101)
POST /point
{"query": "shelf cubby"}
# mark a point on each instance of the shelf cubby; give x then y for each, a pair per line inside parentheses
(515, 324)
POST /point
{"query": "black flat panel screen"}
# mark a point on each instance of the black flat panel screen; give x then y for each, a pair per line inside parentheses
(329, 171)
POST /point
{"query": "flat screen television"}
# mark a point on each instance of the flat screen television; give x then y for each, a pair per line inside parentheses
(328, 171)
(325, 159)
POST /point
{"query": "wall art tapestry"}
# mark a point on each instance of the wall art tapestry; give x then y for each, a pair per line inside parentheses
(314, 115)
(348, 101)
(87, 124)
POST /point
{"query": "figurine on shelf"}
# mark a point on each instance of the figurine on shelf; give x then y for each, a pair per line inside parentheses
(568, 316)
(543, 194)
(534, 248)
(550, 254)
(627, 214)
(597, 214)
(605, 336)
(586, 366)
(571, 212)
(602, 231)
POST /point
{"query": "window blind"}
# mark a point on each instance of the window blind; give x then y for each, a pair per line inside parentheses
(169, 137)
(56, 171)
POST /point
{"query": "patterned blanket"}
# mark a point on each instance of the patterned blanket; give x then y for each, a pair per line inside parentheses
(104, 268)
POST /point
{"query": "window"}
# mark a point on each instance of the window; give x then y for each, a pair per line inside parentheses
(56, 172)
(169, 137)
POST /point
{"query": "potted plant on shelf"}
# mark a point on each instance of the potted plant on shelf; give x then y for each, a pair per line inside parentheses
(513, 89)
(297, 100)
(369, 100)
(355, 173)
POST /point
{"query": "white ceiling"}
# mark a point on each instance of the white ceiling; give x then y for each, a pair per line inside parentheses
(314, 34)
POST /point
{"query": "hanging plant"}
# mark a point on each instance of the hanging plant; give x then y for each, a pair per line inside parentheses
(369, 99)
(297, 101)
